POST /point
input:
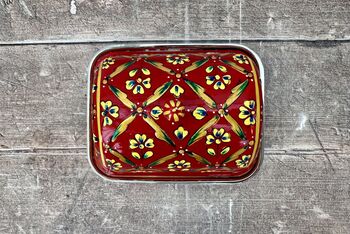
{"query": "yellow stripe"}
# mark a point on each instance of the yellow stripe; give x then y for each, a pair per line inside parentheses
(236, 67)
(98, 104)
(258, 110)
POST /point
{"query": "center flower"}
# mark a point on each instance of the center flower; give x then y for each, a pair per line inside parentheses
(174, 110)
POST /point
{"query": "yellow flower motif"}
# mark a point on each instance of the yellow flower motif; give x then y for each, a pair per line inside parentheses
(218, 136)
(199, 113)
(241, 58)
(138, 84)
(141, 142)
(177, 90)
(242, 163)
(177, 59)
(108, 109)
(248, 112)
(220, 81)
(180, 133)
(179, 166)
(113, 166)
(174, 110)
(108, 61)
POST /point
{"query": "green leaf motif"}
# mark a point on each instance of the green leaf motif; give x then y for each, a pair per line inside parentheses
(132, 73)
(145, 71)
(211, 151)
(225, 150)
(202, 131)
(235, 155)
(158, 93)
(195, 65)
(198, 158)
(235, 93)
(162, 160)
(161, 67)
(122, 127)
(148, 154)
(209, 69)
(120, 157)
(122, 97)
(121, 68)
(235, 126)
(159, 133)
(136, 155)
(200, 91)
(222, 68)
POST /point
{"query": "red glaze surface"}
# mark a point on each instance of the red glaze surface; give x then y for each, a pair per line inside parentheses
(175, 113)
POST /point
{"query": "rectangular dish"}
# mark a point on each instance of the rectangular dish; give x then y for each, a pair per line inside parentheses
(175, 112)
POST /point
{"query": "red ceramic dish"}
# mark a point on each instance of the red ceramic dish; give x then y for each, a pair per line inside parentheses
(176, 112)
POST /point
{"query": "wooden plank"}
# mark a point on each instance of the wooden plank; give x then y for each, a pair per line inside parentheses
(307, 102)
(56, 191)
(46, 184)
(296, 19)
(24, 21)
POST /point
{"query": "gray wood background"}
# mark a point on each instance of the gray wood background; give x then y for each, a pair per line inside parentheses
(46, 183)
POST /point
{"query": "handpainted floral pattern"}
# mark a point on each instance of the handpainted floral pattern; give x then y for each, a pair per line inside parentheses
(223, 151)
(107, 62)
(174, 110)
(219, 81)
(139, 84)
(180, 133)
(156, 112)
(240, 58)
(177, 59)
(109, 110)
(177, 90)
(247, 112)
(150, 108)
(199, 113)
(244, 162)
(218, 136)
(141, 143)
(181, 165)
(113, 165)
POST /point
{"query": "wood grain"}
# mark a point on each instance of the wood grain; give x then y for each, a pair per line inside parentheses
(43, 21)
(307, 90)
(47, 185)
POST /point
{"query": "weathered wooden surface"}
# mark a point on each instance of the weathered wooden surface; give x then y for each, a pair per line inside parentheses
(81, 20)
(46, 183)
(302, 186)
